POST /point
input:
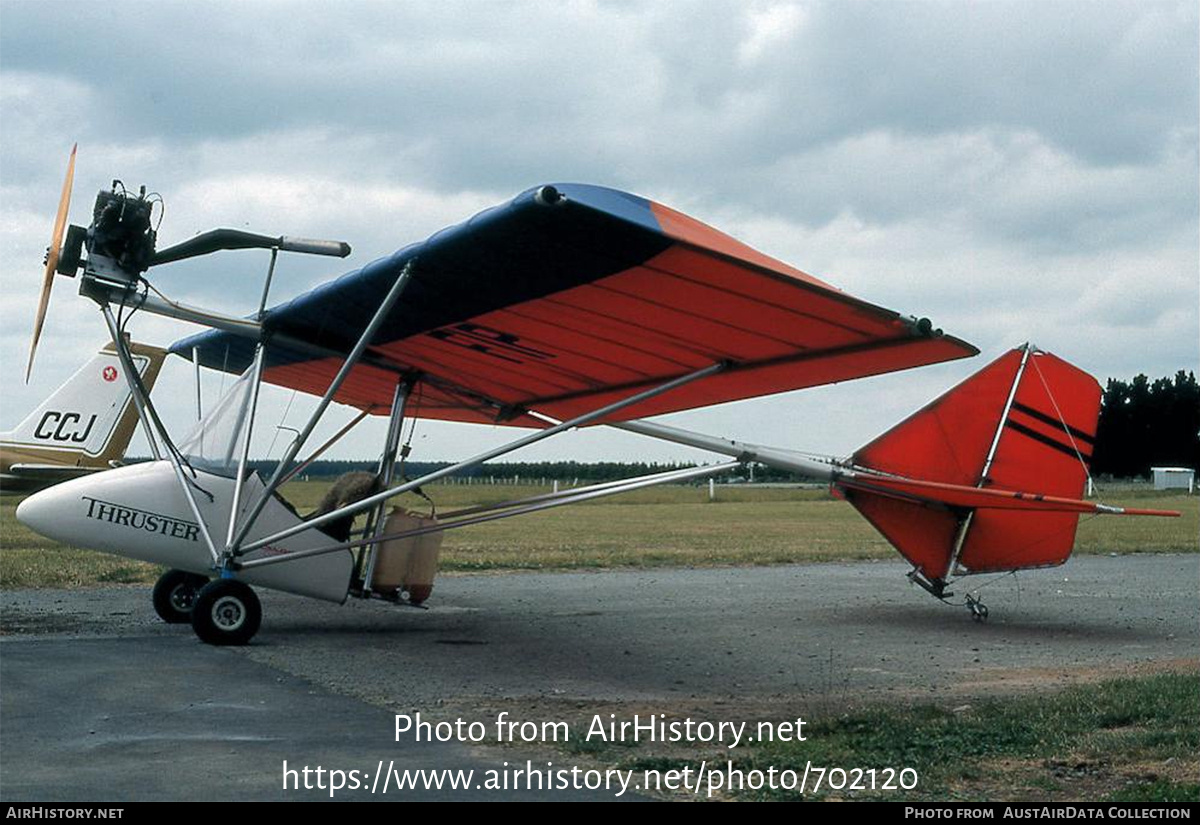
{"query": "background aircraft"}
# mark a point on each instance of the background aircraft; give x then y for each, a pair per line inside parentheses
(84, 426)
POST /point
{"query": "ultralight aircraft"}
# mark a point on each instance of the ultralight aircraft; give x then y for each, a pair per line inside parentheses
(569, 305)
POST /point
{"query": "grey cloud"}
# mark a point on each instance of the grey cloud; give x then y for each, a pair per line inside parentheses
(1107, 81)
(981, 163)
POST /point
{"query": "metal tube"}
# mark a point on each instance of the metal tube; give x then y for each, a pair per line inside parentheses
(196, 364)
(1012, 394)
(242, 414)
(351, 360)
(387, 459)
(371, 501)
(960, 538)
(312, 246)
(782, 459)
(284, 341)
(134, 387)
(247, 432)
(604, 485)
(173, 309)
(387, 468)
(262, 302)
(195, 508)
(335, 438)
(647, 481)
(130, 378)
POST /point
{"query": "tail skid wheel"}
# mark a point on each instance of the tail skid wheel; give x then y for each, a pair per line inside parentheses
(226, 612)
(174, 594)
(979, 611)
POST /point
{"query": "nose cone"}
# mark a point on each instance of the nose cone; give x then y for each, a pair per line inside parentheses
(37, 512)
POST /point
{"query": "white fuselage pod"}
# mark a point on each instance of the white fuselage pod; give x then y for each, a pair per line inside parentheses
(140, 512)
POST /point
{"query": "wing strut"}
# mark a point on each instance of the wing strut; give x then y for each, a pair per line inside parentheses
(578, 421)
(387, 469)
(508, 509)
(284, 465)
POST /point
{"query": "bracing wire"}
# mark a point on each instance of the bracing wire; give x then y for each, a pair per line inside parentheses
(282, 421)
(412, 428)
(987, 583)
(1062, 420)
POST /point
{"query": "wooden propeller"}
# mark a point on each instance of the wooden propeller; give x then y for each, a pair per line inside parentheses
(60, 225)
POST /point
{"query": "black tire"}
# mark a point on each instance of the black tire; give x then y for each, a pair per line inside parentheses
(175, 593)
(226, 612)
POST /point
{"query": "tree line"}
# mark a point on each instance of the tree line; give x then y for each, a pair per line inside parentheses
(1146, 424)
(532, 470)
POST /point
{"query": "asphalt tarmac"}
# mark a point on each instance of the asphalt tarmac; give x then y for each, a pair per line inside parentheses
(101, 701)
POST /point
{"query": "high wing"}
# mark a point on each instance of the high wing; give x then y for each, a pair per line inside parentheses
(567, 298)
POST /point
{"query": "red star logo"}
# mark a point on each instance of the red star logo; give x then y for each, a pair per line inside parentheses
(109, 374)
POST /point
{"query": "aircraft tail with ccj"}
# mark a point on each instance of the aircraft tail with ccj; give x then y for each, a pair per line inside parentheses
(83, 426)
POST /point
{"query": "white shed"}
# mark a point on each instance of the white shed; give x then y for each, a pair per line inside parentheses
(1174, 478)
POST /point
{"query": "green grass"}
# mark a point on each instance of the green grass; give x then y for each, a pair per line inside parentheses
(1157, 790)
(657, 527)
(1134, 739)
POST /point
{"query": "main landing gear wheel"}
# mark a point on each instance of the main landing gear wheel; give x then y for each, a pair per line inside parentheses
(226, 612)
(175, 593)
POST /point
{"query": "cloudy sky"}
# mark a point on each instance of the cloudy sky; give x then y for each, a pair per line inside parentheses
(1013, 170)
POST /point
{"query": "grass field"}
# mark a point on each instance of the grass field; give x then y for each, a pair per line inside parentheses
(1122, 740)
(662, 526)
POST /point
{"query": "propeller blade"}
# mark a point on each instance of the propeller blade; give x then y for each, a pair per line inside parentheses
(60, 224)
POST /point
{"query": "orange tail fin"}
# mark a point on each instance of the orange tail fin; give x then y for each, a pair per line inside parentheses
(1026, 422)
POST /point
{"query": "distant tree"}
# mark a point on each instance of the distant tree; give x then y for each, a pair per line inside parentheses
(1146, 424)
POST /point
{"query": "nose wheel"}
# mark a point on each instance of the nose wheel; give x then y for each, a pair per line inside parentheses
(174, 594)
(226, 612)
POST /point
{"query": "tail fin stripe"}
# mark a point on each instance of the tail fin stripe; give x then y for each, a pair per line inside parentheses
(1065, 449)
(1053, 422)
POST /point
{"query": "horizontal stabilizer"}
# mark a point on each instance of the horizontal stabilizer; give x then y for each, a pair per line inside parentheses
(983, 498)
(48, 471)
